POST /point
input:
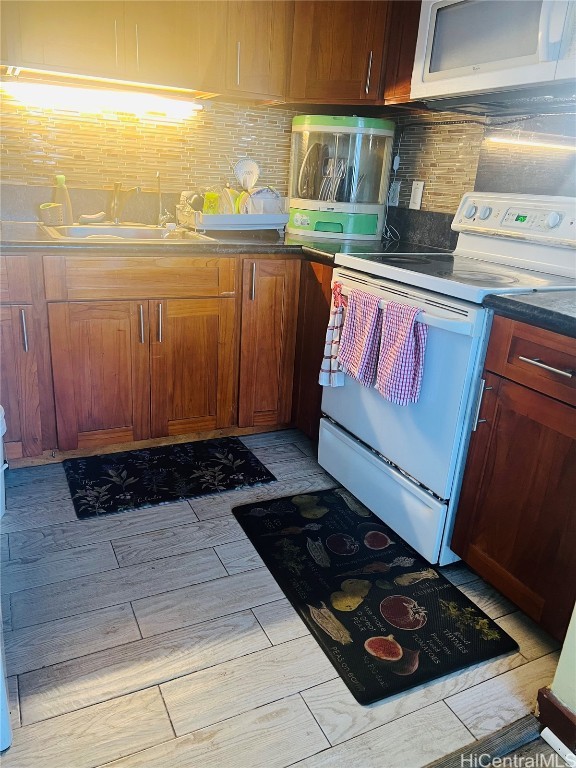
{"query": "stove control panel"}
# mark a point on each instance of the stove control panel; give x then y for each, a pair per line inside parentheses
(539, 219)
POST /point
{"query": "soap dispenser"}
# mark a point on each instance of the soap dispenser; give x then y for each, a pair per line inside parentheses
(61, 196)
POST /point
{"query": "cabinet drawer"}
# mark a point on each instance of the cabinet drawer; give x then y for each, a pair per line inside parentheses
(77, 278)
(539, 359)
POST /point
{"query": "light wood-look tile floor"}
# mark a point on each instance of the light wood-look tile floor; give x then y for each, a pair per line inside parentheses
(156, 638)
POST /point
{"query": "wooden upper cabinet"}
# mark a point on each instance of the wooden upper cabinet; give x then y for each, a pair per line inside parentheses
(177, 44)
(193, 365)
(400, 48)
(337, 50)
(269, 313)
(84, 38)
(258, 43)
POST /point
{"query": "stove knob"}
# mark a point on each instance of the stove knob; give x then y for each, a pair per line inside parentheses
(485, 212)
(470, 212)
(553, 219)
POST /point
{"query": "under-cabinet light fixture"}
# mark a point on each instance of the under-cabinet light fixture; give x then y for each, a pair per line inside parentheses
(526, 142)
(92, 101)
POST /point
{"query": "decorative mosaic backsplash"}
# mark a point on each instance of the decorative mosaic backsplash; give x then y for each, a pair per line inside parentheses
(93, 151)
(444, 157)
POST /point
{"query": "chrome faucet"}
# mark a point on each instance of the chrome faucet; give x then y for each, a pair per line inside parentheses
(119, 199)
(163, 215)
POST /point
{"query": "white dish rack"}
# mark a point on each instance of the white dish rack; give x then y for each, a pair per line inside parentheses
(186, 216)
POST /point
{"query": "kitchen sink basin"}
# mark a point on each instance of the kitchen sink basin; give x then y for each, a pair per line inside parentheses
(103, 232)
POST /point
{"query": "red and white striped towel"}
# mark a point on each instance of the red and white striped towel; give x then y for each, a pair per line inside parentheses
(358, 353)
(331, 374)
(401, 360)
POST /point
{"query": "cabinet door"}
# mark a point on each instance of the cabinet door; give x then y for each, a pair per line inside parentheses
(400, 48)
(269, 312)
(100, 357)
(19, 389)
(337, 50)
(515, 523)
(175, 43)
(193, 365)
(258, 38)
(81, 38)
(313, 314)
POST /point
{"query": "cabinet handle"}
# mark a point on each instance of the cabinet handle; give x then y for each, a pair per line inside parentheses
(116, 41)
(160, 323)
(24, 330)
(137, 49)
(141, 318)
(483, 388)
(253, 281)
(537, 362)
(369, 72)
(238, 63)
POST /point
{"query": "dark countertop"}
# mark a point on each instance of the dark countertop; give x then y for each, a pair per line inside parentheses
(552, 310)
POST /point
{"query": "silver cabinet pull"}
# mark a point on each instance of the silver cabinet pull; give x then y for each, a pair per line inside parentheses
(539, 364)
(238, 63)
(483, 388)
(24, 330)
(116, 40)
(160, 323)
(253, 281)
(369, 72)
(137, 49)
(141, 318)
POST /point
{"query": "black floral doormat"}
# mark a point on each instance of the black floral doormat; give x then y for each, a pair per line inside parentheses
(115, 482)
(386, 619)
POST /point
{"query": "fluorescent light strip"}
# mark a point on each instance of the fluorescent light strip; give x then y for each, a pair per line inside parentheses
(529, 143)
(98, 100)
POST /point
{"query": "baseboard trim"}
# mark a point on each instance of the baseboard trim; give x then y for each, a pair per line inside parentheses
(555, 715)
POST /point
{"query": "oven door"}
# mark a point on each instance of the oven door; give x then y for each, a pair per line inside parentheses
(426, 439)
(475, 46)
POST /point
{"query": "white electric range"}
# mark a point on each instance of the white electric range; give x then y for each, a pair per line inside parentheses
(406, 462)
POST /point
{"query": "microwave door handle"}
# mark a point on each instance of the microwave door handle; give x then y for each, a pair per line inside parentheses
(552, 18)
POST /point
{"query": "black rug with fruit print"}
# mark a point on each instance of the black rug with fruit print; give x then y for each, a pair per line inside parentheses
(386, 619)
(116, 482)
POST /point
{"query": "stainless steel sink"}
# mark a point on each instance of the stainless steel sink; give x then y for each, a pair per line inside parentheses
(110, 232)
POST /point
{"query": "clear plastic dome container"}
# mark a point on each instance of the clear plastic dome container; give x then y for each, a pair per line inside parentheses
(340, 159)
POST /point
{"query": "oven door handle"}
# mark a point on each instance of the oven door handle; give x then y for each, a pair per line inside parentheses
(461, 327)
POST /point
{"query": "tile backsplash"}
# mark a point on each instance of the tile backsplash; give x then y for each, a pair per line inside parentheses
(444, 156)
(93, 151)
(452, 154)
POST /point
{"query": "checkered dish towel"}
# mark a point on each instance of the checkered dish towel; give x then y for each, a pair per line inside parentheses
(331, 374)
(401, 360)
(358, 353)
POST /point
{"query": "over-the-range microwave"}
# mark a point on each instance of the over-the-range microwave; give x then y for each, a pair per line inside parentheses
(468, 47)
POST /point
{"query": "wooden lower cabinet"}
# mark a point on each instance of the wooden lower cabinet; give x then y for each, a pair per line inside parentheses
(19, 381)
(515, 524)
(129, 370)
(101, 370)
(268, 335)
(313, 314)
(193, 367)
